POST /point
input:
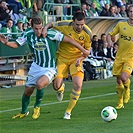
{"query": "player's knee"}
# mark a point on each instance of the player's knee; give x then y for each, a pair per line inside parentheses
(77, 87)
(28, 93)
(56, 86)
(124, 77)
(39, 86)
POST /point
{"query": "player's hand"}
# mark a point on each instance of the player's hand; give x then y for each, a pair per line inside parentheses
(44, 32)
(78, 62)
(86, 53)
(3, 39)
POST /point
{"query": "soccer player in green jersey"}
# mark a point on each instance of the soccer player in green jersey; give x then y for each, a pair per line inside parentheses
(43, 69)
(123, 64)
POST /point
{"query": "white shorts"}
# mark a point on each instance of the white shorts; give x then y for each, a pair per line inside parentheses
(36, 72)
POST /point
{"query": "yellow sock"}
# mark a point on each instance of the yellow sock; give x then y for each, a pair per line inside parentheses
(127, 84)
(126, 91)
(74, 96)
(61, 89)
(120, 90)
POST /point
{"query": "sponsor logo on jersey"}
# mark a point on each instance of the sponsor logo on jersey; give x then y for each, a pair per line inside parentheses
(21, 40)
(40, 46)
(81, 38)
(128, 38)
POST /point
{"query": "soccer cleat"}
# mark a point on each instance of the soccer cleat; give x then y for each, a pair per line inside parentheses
(119, 106)
(20, 115)
(60, 94)
(36, 113)
(67, 116)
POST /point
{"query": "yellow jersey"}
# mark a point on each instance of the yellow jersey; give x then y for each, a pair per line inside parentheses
(125, 42)
(66, 50)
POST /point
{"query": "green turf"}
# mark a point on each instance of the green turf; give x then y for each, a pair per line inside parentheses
(85, 117)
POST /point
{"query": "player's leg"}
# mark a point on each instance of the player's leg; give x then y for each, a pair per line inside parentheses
(119, 90)
(43, 81)
(126, 83)
(116, 71)
(58, 84)
(75, 94)
(126, 73)
(127, 91)
(77, 78)
(25, 102)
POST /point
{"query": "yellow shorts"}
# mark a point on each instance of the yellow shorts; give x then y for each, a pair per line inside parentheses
(64, 67)
(120, 66)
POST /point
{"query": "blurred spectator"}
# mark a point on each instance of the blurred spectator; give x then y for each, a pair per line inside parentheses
(117, 11)
(123, 11)
(124, 2)
(37, 6)
(9, 29)
(5, 11)
(98, 6)
(112, 11)
(89, 12)
(29, 22)
(84, 9)
(94, 38)
(112, 51)
(96, 54)
(103, 38)
(104, 2)
(20, 25)
(58, 9)
(16, 5)
(75, 8)
(119, 3)
(105, 10)
(94, 9)
(25, 26)
(66, 8)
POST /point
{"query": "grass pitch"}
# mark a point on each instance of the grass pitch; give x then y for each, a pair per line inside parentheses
(85, 118)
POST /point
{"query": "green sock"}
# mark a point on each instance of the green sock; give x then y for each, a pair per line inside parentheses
(25, 103)
(39, 96)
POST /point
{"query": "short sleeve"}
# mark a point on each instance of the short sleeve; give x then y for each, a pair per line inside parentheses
(55, 35)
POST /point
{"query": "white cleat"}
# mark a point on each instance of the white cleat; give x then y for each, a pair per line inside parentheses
(60, 95)
(67, 116)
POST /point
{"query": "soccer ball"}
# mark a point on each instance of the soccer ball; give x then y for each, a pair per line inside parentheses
(109, 113)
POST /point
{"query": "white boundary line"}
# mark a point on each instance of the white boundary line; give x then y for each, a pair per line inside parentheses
(53, 103)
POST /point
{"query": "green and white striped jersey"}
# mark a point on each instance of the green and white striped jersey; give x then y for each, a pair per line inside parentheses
(44, 49)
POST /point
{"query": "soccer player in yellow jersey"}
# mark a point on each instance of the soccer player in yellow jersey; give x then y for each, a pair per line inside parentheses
(123, 64)
(69, 58)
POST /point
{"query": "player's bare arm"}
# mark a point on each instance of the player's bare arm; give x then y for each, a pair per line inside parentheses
(47, 26)
(78, 61)
(4, 40)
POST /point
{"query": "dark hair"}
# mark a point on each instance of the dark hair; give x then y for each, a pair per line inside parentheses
(36, 20)
(79, 16)
(103, 34)
(2, 1)
(94, 36)
(9, 19)
(130, 6)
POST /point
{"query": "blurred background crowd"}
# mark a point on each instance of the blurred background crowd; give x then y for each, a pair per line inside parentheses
(15, 17)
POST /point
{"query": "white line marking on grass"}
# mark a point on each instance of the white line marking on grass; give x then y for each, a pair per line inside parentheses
(90, 97)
